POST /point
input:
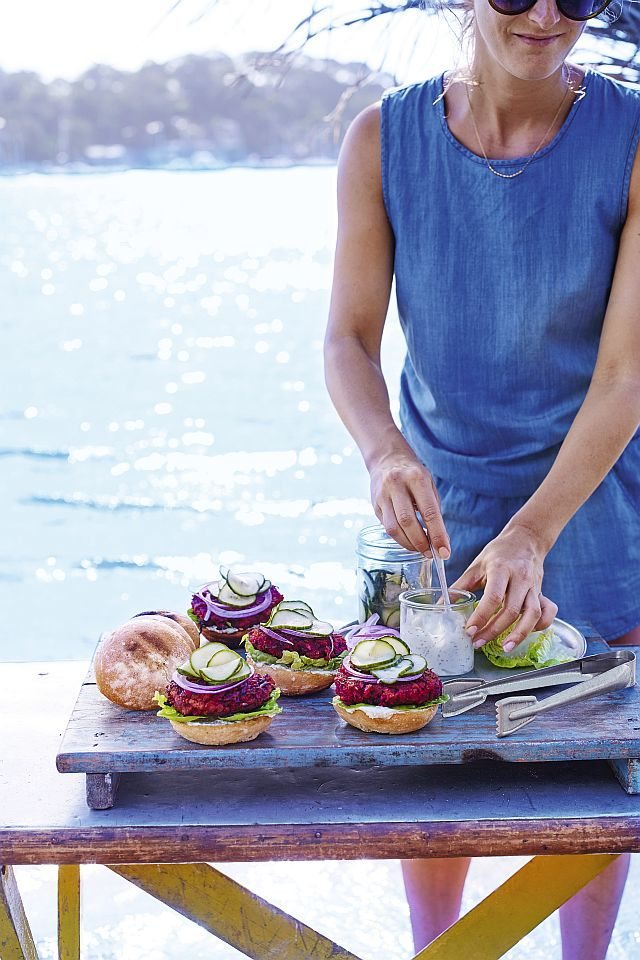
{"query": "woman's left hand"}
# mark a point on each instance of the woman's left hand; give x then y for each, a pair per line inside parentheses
(510, 569)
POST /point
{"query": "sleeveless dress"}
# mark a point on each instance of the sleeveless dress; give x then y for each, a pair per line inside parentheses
(502, 286)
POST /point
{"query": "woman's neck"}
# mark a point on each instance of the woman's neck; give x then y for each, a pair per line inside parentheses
(510, 114)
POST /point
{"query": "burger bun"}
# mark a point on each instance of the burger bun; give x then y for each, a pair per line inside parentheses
(217, 732)
(294, 683)
(138, 658)
(185, 622)
(398, 721)
(232, 638)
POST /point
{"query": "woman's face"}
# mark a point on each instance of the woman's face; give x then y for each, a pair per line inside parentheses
(530, 45)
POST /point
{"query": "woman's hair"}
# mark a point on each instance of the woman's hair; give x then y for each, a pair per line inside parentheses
(461, 21)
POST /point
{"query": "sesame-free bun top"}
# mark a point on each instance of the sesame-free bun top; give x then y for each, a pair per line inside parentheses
(138, 658)
(185, 622)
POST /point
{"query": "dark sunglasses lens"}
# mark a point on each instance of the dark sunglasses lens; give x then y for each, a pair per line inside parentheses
(511, 7)
(581, 9)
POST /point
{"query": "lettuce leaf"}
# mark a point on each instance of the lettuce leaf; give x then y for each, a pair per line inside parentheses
(423, 706)
(293, 659)
(268, 709)
(536, 651)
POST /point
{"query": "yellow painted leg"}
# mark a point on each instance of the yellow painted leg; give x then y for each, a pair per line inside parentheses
(16, 940)
(514, 909)
(231, 912)
(69, 912)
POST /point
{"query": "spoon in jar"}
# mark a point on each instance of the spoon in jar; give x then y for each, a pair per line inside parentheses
(442, 579)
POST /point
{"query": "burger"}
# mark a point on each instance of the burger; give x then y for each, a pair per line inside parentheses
(301, 653)
(215, 697)
(383, 688)
(225, 609)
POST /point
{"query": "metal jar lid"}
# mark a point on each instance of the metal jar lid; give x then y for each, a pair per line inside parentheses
(374, 543)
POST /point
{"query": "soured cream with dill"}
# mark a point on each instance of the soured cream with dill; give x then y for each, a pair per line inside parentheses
(437, 632)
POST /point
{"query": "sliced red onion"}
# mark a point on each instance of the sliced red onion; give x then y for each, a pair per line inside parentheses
(201, 688)
(274, 635)
(369, 630)
(236, 613)
(284, 633)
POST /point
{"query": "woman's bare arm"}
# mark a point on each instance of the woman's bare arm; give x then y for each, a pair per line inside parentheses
(363, 275)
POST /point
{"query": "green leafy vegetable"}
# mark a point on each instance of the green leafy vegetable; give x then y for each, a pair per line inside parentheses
(269, 709)
(358, 706)
(293, 659)
(536, 651)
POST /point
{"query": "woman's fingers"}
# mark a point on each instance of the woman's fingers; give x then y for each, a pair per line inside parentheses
(548, 613)
(520, 603)
(395, 529)
(491, 602)
(427, 501)
(406, 504)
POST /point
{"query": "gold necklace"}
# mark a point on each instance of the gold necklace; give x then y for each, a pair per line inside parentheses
(511, 176)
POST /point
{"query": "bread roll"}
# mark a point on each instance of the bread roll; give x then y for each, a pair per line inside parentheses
(216, 732)
(138, 658)
(294, 682)
(185, 622)
(400, 721)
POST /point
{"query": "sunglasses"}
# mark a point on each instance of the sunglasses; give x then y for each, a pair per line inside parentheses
(571, 9)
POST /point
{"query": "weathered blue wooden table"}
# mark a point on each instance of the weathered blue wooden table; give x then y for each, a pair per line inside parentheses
(104, 741)
(191, 818)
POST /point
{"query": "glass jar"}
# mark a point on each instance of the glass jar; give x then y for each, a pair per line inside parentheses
(385, 570)
(437, 632)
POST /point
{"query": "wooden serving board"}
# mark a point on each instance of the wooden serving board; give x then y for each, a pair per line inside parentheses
(104, 741)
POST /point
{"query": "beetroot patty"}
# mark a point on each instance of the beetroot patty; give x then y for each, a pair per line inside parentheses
(247, 696)
(315, 648)
(208, 619)
(424, 688)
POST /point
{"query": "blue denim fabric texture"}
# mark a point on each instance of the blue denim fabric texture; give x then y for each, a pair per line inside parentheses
(502, 287)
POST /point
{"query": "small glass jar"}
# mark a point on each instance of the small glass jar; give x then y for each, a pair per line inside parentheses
(437, 632)
(385, 570)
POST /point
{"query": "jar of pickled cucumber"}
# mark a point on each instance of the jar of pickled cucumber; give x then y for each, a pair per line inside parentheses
(385, 570)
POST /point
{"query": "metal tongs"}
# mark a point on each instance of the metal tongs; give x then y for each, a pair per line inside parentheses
(593, 674)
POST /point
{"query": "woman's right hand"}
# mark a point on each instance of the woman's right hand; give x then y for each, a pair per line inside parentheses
(401, 488)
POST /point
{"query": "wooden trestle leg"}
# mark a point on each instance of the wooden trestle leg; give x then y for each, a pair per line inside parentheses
(231, 912)
(515, 908)
(16, 940)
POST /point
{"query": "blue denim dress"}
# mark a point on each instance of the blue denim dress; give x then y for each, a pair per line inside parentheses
(502, 286)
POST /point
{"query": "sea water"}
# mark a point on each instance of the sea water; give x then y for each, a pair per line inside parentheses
(162, 401)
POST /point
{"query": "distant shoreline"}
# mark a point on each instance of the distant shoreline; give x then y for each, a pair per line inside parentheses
(80, 169)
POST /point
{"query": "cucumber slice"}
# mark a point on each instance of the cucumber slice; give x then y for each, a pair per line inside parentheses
(224, 665)
(265, 586)
(245, 584)
(225, 656)
(233, 599)
(243, 672)
(389, 674)
(320, 628)
(369, 654)
(220, 674)
(290, 619)
(200, 657)
(398, 645)
(298, 605)
(413, 665)
(391, 617)
(187, 670)
(214, 587)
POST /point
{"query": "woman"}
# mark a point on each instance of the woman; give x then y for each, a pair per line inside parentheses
(506, 203)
